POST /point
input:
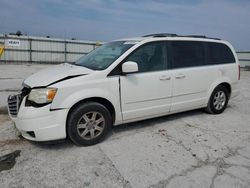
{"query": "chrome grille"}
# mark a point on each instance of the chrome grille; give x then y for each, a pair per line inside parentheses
(13, 104)
(14, 101)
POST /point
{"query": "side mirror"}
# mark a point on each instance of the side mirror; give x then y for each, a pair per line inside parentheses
(129, 67)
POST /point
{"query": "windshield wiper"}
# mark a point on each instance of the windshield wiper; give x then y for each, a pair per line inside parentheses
(80, 65)
(71, 63)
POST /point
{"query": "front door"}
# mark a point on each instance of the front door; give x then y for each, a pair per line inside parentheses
(147, 93)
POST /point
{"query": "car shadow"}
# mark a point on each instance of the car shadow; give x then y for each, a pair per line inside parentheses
(154, 121)
(53, 145)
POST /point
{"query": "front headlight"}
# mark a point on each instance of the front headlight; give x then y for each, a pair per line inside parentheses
(42, 95)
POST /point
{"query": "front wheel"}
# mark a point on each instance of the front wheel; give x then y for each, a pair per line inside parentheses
(88, 124)
(218, 100)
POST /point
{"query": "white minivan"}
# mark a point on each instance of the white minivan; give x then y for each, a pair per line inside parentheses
(125, 81)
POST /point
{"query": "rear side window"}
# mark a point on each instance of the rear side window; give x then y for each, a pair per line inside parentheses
(187, 54)
(219, 53)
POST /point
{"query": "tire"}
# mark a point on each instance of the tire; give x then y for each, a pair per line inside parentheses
(218, 100)
(88, 123)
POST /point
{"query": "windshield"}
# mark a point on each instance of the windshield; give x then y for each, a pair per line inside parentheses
(102, 57)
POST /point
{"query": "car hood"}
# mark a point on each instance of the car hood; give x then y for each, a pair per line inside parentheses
(55, 74)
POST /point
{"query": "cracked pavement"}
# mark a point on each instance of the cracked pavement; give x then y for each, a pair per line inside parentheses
(190, 149)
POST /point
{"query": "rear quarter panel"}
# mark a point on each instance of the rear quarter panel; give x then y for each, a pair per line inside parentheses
(227, 73)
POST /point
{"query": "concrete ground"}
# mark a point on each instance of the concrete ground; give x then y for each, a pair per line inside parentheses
(191, 149)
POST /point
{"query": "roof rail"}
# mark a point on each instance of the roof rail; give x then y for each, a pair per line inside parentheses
(175, 35)
(161, 35)
(195, 36)
(199, 36)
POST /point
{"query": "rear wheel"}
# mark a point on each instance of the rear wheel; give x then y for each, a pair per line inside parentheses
(88, 124)
(218, 100)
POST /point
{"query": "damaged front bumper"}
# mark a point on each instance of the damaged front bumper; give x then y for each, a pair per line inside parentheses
(40, 124)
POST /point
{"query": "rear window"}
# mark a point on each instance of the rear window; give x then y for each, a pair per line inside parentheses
(219, 53)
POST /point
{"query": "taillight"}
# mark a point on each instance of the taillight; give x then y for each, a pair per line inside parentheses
(238, 72)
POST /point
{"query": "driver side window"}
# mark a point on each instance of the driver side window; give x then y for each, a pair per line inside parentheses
(149, 57)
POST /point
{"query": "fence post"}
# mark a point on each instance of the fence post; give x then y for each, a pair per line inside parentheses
(30, 49)
(4, 40)
(65, 51)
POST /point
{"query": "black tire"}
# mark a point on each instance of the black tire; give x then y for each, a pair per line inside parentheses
(211, 107)
(78, 116)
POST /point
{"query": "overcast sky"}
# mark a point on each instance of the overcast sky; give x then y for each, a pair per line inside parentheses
(105, 20)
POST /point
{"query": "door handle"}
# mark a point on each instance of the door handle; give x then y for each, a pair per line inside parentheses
(165, 78)
(180, 76)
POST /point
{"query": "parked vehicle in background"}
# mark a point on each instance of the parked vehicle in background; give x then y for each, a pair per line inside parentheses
(125, 81)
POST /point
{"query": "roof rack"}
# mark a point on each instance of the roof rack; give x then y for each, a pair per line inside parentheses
(161, 35)
(175, 35)
(199, 36)
(195, 36)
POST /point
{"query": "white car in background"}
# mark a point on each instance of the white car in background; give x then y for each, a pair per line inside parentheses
(125, 81)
